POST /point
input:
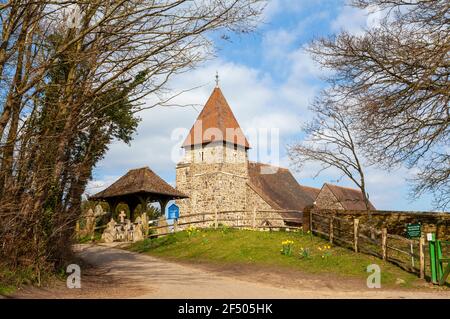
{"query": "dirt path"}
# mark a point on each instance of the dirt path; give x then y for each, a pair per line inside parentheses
(122, 274)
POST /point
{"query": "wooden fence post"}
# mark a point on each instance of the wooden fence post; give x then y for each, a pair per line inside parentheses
(355, 234)
(331, 235)
(384, 243)
(215, 219)
(254, 218)
(311, 221)
(422, 257)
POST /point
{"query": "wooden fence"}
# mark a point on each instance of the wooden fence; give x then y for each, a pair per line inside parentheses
(408, 254)
(217, 218)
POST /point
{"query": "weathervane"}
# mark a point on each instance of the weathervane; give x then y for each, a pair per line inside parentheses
(217, 79)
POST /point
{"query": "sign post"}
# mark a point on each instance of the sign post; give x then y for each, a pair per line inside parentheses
(174, 214)
(413, 231)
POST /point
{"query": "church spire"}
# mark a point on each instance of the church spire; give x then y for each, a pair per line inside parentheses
(216, 116)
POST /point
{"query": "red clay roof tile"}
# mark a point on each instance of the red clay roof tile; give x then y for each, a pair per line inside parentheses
(216, 123)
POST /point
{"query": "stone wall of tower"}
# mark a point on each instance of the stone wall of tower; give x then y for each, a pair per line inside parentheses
(215, 178)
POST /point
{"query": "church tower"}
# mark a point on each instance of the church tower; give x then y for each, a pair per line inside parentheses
(214, 170)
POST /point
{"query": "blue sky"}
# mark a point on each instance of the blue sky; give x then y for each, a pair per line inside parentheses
(269, 81)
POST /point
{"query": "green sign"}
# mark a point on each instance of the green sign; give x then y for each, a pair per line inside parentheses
(413, 230)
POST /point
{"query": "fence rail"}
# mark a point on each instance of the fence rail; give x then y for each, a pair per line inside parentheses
(238, 222)
(350, 233)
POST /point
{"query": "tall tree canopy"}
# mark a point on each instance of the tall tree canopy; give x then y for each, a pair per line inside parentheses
(72, 77)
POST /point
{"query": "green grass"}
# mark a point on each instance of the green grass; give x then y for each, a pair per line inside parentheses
(10, 280)
(232, 246)
(87, 239)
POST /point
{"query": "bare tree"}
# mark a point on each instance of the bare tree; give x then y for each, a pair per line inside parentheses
(398, 72)
(330, 141)
(72, 77)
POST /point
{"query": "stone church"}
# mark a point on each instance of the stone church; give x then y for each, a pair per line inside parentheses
(217, 175)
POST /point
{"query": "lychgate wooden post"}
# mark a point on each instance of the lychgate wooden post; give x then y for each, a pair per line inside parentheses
(422, 257)
(311, 221)
(331, 234)
(384, 243)
(355, 234)
(254, 218)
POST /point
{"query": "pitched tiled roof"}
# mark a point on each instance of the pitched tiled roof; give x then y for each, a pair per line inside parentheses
(278, 187)
(215, 118)
(141, 180)
(349, 198)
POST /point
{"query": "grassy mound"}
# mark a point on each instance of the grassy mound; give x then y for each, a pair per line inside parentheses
(308, 254)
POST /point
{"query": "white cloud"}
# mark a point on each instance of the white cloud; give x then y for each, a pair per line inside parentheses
(275, 7)
(355, 20)
(98, 185)
(350, 19)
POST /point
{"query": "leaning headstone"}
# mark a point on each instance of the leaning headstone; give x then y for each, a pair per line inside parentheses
(138, 233)
(120, 232)
(99, 211)
(162, 226)
(144, 218)
(128, 228)
(138, 220)
(90, 223)
(110, 233)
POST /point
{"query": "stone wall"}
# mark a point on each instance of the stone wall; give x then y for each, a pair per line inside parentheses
(394, 221)
(215, 153)
(215, 178)
(254, 201)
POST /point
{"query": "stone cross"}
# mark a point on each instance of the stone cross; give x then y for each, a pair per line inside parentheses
(122, 216)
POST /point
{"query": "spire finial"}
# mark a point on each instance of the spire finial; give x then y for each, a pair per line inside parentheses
(217, 79)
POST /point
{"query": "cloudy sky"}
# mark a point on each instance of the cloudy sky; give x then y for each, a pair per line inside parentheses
(269, 81)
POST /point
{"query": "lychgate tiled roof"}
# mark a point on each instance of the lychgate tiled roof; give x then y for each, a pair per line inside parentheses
(141, 180)
(216, 118)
